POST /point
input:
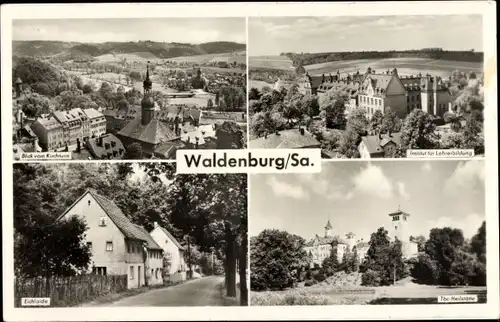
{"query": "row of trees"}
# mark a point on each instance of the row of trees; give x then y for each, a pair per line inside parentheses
(278, 259)
(210, 209)
(317, 58)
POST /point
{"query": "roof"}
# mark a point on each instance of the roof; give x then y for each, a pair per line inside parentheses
(362, 245)
(326, 240)
(375, 145)
(154, 132)
(315, 81)
(111, 147)
(287, 139)
(166, 149)
(49, 123)
(92, 113)
(128, 229)
(379, 82)
(411, 83)
(398, 212)
(151, 244)
(172, 238)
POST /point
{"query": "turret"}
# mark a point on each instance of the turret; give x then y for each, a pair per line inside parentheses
(328, 229)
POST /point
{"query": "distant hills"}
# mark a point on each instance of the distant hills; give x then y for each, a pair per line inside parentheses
(162, 50)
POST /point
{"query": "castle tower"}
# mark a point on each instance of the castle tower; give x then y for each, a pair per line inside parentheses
(147, 103)
(400, 228)
(328, 229)
(351, 240)
(18, 84)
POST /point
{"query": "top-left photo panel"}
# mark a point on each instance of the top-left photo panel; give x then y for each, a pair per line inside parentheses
(133, 89)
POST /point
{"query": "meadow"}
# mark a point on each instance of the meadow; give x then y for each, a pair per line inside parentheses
(239, 57)
(405, 66)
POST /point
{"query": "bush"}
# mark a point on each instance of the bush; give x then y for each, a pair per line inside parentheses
(425, 270)
(320, 276)
(371, 278)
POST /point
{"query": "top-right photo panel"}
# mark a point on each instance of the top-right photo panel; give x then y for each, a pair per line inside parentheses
(367, 86)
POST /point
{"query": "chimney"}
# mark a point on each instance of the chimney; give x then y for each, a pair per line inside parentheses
(197, 142)
(156, 224)
(323, 78)
(78, 146)
(331, 78)
(302, 130)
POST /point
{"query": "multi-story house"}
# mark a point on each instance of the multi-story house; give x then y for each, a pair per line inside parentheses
(172, 249)
(436, 98)
(153, 259)
(72, 125)
(380, 91)
(50, 133)
(97, 122)
(117, 245)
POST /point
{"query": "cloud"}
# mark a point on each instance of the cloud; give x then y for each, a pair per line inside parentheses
(426, 167)
(372, 181)
(281, 188)
(468, 176)
(322, 184)
(468, 224)
(402, 191)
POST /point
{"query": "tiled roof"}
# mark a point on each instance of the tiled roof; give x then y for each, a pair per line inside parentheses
(327, 240)
(154, 132)
(108, 149)
(315, 81)
(411, 83)
(166, 149)
(151, 244)
(287, 139)
(374, 144)
(172, 238)
(378, 81)
(121, 221)
(49, 123)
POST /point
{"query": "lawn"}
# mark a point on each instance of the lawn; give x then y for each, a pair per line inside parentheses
(328, 295)
(273, 62)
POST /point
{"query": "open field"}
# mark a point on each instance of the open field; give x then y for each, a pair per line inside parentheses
(328, 295)
(139, 56)
(405, 66)
(259, 84)
(272, 62)
(238, 57)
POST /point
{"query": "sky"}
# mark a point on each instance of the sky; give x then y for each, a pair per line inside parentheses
(358, 197)
(184, 30)
(273, 35)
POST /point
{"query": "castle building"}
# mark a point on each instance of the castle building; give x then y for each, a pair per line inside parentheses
(320, 248)
(400, 232)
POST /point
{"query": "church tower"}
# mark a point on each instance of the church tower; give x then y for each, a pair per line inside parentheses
(351, 241)
(328, 229)
(400, 226)
(147, 103)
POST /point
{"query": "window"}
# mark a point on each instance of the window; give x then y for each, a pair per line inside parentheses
(109, 246)
(88, 202)
(131, 272)
(99, 270)
(102, 221)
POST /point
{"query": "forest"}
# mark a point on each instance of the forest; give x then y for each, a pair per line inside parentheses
(317, 58)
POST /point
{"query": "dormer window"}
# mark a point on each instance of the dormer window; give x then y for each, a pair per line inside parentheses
(102, 221)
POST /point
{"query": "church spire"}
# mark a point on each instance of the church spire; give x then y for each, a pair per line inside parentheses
(147, 82)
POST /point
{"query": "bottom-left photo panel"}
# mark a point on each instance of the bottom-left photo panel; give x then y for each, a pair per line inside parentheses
(128, 234)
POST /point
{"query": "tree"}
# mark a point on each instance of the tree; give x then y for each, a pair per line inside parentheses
(333, 110)
(39, 252)
(420, 240)
(383, 261)
(390, 121)
(478, 243)
(34, 105)
(418, 131)
(358, 122)
(254, 94)
(134, 152)
(376, 122)
(330, 264)
(274, 255)
(229, 136)
(349, 144)
(87, 89)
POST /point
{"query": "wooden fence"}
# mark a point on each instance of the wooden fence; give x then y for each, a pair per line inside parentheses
(68, 291)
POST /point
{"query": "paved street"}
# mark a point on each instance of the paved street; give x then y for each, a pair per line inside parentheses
(199, 292)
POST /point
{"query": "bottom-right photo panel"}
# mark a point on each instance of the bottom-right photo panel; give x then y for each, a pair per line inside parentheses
(384, 232)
